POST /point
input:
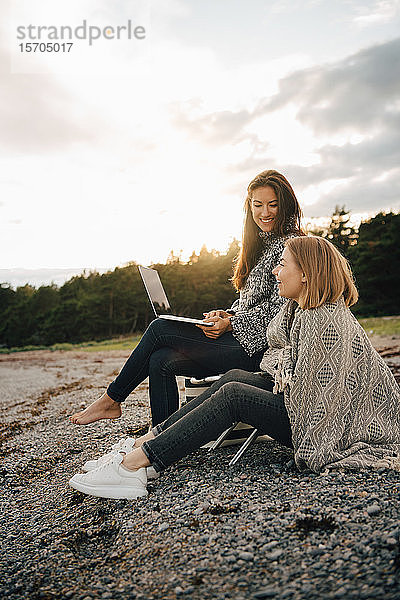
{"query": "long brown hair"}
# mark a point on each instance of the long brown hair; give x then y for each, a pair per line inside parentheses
(287, 221)
(328, 274)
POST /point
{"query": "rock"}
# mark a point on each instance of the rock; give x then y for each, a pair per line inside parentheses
(342, 592)
(391, 541)
(267, 592)
(271, 545)
(246, 556)
(189, 590)
(178, 591)
(374, 509)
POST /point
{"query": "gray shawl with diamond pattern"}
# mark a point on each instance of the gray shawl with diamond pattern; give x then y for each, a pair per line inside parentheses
(342, 400)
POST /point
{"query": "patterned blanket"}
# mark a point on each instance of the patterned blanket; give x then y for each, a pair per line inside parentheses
(342, 400)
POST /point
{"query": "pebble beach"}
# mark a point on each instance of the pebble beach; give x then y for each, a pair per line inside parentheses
(260, 529)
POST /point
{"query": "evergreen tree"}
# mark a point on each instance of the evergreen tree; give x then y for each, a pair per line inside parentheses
(376, 260)
(340, 232)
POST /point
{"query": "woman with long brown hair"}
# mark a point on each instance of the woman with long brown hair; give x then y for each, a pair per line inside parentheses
(237, 338)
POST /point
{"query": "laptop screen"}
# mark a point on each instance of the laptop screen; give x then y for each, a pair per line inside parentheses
(154, 289)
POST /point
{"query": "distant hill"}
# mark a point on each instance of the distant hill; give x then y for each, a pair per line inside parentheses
(39, 277)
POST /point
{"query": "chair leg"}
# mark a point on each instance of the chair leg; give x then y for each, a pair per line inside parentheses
(221, 438)
(244, 447)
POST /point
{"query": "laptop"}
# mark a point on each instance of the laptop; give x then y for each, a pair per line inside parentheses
(158, 297)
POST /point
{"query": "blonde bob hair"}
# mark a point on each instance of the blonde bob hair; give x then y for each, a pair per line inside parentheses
(328, 274)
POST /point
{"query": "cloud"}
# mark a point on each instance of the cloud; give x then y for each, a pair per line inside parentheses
(38, 115)
(222, 127)
(52, 102)
(382, 11)
(357, 97)
(34, 122)
(359, 92)
(375, 156)
(365, 177)
(360, 195)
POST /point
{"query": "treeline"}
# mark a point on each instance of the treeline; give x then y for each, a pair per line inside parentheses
(374, 254)
(93, 306)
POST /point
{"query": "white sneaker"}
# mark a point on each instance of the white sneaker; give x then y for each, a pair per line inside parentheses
(112, 480)
(152, 473)
(124, 445)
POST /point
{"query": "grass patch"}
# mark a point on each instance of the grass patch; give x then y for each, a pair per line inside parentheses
(127, 343)
(373, 326)
(116, 344)
(381, 325)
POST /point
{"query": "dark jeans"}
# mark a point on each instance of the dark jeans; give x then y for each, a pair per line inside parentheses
(171, 348)
(237, 396)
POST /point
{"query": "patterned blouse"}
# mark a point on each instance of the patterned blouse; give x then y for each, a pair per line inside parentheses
(259, 301)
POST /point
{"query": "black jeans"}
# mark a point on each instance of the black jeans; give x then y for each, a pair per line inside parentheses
(171, 348)
(237, 396)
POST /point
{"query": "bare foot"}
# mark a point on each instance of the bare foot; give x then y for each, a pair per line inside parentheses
(102, 408)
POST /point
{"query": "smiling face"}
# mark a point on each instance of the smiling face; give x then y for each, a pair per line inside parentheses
(264, 208)
(289, 276)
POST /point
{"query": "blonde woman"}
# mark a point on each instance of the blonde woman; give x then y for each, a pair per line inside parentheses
(324, 390)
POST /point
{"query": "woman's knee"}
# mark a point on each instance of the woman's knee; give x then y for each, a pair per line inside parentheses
(225, 394)
(162, 361)
(232, 375)
(223, 400)
(157, 327)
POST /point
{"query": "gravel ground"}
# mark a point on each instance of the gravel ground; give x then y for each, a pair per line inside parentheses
(258, 530)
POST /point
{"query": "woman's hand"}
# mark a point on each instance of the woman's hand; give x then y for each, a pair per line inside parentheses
(217, 313)
(221, 325)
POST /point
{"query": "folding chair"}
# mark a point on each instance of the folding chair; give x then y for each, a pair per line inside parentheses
(250, 439)
(238, 433)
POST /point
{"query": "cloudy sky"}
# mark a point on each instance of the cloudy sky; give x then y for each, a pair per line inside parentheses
(126, 149)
